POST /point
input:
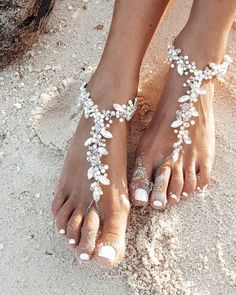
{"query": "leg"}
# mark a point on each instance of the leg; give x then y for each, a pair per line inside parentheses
(204, 40)
(115, 80)
(133, 25)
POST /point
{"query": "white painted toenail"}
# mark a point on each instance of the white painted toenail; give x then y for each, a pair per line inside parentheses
(62, 231)
(201, 189)
(72, 241)
(173, 196)
(184, 194)
(84, 256)
(141, 195)
(107, 252)
(157, 203)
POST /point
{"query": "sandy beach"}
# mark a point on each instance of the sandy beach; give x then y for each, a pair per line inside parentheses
(187, 250)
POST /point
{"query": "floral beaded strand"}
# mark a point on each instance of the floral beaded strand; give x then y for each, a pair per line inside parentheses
(99, 134)
(187, 111)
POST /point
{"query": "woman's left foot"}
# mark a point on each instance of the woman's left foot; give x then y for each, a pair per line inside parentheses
(157, 179)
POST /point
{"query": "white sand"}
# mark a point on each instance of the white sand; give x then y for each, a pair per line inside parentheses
(189, 249)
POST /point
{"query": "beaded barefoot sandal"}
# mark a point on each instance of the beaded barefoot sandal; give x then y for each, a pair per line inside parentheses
(185, 115)
(187, 111)
(99, 134)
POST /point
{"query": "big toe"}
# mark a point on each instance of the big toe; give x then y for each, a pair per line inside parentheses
(140, 183)
(110, 247)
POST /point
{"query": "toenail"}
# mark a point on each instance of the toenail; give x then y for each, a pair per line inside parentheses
(107, 252)
(84, 256)
(173, 196)
(62, 231)
(201, 189)
(141, 195)
(157, 203)
(72, 241)
(184, 194)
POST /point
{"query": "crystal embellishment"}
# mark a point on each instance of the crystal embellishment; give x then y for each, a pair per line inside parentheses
(99, 134)
(187, 110)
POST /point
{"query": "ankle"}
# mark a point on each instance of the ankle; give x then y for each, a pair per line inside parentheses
(112, 85)
(201, 45)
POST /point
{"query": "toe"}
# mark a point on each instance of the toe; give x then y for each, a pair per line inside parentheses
(110, 247)
(74, 227)
(59, 200)
(190, 181)
(203, 177)
(89, 233)
(140, 183)
(63, 215)
(176, 184)
(159, 192)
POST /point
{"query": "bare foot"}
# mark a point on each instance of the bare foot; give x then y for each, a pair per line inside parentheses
(156, 178)
(94, 235)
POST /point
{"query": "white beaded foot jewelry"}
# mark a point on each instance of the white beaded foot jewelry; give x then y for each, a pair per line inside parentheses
(186, 111)
(99, 133)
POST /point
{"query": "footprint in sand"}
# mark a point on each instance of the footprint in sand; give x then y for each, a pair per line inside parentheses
(56, 115)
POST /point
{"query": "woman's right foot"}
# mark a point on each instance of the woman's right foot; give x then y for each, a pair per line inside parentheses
(96, 236)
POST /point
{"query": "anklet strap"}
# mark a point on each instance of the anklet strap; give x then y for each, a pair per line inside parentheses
(99, 133)
(195, 77)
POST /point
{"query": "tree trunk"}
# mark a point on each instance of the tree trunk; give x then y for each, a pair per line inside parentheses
(20, 23)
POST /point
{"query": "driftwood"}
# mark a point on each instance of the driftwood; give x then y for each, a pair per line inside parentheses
(20, 23)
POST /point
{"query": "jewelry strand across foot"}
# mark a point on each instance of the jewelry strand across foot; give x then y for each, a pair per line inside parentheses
(99, 134)
(195, 77)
